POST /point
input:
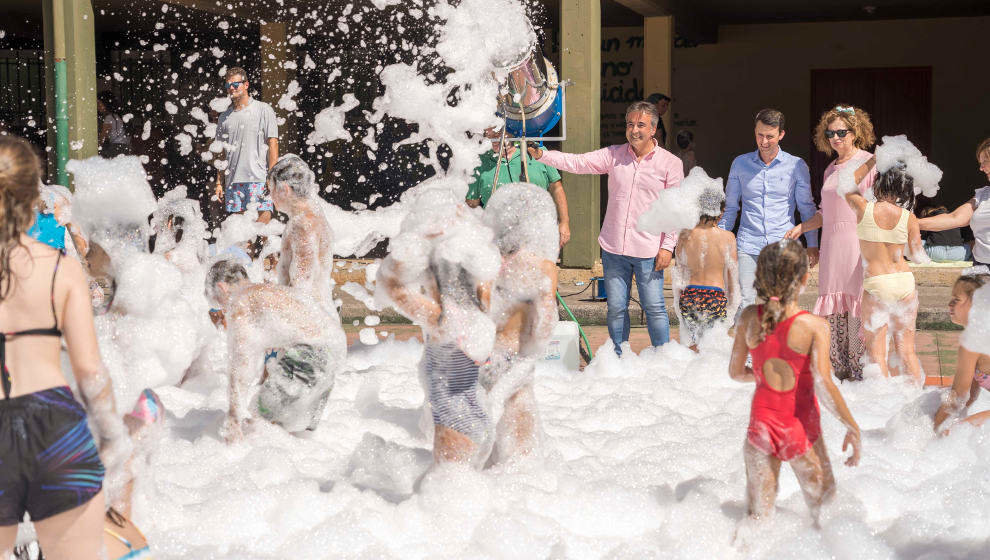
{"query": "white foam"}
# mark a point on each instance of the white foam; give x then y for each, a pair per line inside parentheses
(680, 207)
(639, 459)
(367, 336)
(329, 123)
(976, 337)
(110, 190)
(112, 202)
(894, 149)
(523, 216)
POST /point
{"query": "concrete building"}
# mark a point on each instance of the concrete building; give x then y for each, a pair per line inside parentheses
(910, 64)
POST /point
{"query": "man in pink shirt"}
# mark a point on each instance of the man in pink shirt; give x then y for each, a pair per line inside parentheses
(637, 172)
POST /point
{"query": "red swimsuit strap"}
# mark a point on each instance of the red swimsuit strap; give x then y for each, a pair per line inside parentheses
(779, 337)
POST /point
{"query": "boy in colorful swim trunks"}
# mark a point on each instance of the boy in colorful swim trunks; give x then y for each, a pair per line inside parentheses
(705, 265)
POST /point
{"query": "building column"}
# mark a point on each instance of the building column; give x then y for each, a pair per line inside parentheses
(70, 45)
(658, 61)
(580, 45)
(275, 78)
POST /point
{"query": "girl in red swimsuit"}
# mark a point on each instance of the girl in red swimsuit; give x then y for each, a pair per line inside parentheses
(790, 350)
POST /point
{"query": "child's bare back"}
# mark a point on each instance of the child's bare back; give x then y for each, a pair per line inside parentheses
(704, 251)
(706, 283)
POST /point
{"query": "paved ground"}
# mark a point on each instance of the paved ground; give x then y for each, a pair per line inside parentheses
(937, 340)
(936, 349)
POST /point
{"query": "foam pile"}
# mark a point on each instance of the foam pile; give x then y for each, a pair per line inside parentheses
(191, 250)
(641, 458)
(681, 207)
(329, 123)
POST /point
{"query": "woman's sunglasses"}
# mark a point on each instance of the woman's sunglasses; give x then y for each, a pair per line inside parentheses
(840, 133)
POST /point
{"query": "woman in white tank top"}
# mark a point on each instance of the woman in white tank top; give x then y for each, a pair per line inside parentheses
(975, 213)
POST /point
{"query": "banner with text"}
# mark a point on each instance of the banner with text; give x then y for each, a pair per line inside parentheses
(622, 79)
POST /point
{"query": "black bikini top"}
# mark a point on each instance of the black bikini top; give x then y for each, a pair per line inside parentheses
(5, 336)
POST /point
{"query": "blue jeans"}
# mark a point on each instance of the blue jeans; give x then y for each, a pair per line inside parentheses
(948, 253)
(619, 272)
(747, 275)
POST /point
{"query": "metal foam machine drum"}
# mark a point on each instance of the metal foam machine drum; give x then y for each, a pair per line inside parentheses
(533, 102)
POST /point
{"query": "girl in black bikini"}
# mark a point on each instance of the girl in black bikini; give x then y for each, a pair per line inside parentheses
(50, 464)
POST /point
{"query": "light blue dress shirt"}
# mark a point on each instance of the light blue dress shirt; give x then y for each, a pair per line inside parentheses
(767, 196)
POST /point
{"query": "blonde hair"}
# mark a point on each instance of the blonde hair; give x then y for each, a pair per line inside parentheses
(983, 148)
(855, 118)
(20, 174)
(779, 270)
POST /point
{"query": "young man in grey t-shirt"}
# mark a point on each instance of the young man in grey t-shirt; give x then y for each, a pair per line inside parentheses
(249, 132)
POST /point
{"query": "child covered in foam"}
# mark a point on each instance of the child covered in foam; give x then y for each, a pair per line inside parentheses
(179, 231)
(970, 299)
(886, 230)
(705, 275)
(791, 367)
(524, 219)
(299, 376)
(438, 274)
(305, 258)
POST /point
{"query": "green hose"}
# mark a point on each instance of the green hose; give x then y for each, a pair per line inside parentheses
(587, 344)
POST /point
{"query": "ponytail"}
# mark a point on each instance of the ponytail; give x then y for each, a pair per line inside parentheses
(779, 271)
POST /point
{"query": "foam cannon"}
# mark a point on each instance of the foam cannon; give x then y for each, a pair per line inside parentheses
(531, 104)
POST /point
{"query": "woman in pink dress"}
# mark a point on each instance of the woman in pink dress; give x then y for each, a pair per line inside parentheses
(847, 132)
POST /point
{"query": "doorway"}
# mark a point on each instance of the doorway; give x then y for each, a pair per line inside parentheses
(899, 101)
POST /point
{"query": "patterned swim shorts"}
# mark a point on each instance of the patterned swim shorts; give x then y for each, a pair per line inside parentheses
(701, 307)
(237, 196)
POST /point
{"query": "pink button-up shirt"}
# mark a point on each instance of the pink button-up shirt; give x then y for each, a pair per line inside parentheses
(632, 187)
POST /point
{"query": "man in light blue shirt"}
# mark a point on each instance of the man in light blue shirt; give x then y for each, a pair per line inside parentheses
(766, 186)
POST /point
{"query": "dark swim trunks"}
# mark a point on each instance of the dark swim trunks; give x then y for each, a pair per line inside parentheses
(297, 387)
(700, 307)
(49, 462)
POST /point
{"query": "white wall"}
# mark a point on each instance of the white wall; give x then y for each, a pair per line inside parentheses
(718, 88)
